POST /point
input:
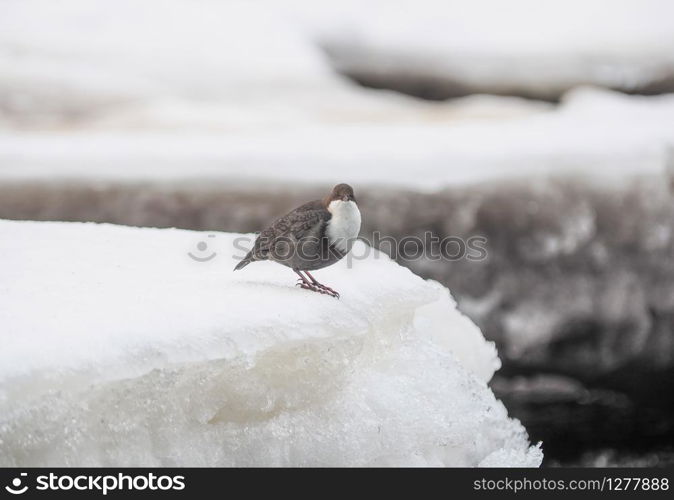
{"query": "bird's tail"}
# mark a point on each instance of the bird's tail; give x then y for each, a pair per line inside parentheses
(244, 262)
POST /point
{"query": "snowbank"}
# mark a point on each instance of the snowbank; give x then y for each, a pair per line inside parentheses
(228, 65)
(592, 134)
(84, 57)
(120, 349)
(242, 92)
(79, 58)
(445, 48)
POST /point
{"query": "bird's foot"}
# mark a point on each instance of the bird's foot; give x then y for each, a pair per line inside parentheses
(317, 287)
(326, 289)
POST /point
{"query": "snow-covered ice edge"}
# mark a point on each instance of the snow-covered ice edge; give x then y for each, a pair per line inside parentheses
(595, 134)
(119, 349)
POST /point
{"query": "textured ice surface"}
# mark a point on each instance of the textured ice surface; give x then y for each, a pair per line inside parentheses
(119, 349)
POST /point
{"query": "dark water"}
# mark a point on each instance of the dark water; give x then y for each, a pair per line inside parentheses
(577, 288)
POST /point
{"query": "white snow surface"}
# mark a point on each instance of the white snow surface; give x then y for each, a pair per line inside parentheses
(593, 134)
(119, 349)
(518, 45)
(240, 91)
(61, 49)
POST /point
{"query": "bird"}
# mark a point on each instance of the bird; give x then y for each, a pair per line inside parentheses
(312, 236)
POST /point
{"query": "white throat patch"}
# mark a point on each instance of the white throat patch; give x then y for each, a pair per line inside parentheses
(344, 225)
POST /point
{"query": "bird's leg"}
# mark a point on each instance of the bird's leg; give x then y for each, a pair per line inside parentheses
(303, 280)
(327, 289)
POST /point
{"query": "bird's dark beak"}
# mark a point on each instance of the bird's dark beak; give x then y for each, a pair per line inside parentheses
(347, 197)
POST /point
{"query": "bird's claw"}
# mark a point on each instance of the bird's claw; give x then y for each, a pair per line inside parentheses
(327, 289)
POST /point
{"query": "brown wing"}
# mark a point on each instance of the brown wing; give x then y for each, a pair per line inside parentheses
(303, 221)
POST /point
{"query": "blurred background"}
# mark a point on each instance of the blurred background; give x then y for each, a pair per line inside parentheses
(546, 127)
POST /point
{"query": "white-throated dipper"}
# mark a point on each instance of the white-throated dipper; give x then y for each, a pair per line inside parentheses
(313, 236)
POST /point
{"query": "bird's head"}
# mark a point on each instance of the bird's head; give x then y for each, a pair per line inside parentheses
(341, 192)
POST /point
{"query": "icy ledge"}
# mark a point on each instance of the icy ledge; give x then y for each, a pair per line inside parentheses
(119, 349)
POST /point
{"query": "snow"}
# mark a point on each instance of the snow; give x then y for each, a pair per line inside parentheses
(110, 53)
(119, 349)
(242, 92)
(592, 134)
(522, 46)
